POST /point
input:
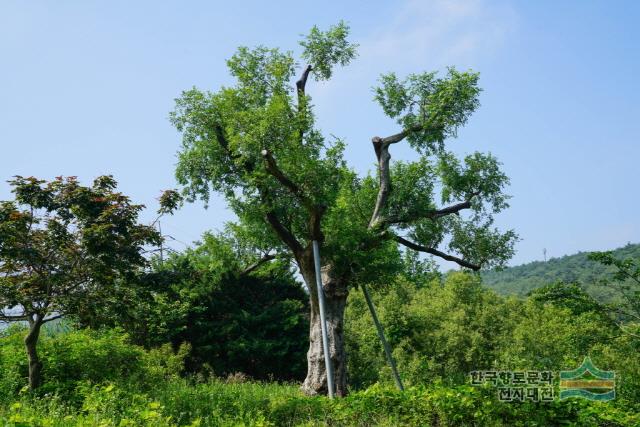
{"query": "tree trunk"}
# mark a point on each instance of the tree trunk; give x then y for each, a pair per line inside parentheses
(335, 300)
(31, 342)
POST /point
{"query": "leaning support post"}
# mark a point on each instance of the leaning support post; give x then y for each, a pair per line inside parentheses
(385, 344)
(323, 324)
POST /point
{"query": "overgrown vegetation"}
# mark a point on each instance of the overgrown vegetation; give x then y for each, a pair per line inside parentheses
(441, 327)
(442, 330)
(234, 319)
(99, 378)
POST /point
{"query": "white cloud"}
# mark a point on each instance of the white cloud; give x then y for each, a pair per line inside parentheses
(425, 35)
(439, 32)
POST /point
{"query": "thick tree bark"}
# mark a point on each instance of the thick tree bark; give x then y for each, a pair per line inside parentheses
(31, 342)
(336, 292)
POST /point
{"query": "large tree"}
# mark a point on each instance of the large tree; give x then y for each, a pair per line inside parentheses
(256, 144)
(63, 246)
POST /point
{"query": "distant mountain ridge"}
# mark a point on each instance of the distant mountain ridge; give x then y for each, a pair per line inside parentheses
(521, 279)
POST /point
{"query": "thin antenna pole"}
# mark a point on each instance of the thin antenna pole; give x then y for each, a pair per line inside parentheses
(385, 344)
(323, 322)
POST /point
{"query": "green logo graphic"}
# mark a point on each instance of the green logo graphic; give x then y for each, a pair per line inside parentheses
(588, 382)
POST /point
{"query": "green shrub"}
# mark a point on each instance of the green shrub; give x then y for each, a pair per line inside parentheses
(438, 330)
(13, 362)
(176, 402)
(254, 323)
(80, 357)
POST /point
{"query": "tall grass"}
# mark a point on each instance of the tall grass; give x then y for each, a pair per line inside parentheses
(179, 402)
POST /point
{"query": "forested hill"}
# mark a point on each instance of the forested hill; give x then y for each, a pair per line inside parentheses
(571, 268)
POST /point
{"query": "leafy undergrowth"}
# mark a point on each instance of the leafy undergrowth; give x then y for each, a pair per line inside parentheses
(97, 378)
(177, 402)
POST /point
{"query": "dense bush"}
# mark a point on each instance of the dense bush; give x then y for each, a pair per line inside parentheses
(254, 323)
(439, 330)
(82, 357)
(442, 330)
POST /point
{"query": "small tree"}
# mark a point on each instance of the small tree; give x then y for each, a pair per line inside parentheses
(625, 283)
(256, 144)
(61, 246)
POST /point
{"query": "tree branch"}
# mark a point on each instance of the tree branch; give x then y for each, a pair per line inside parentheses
(622, 327)
(284, 233)
(265, 258)
(453, 209)
(315, 211)
(381, 146)
(49, 319)
(315, 221)
(224, 143)
(8, 318)
(434, 214)
(273, 169)
(392, 139)
(384, 176)
(222, 140)
(281, 230)
(437, 253)
(302, 102)
(302, 83)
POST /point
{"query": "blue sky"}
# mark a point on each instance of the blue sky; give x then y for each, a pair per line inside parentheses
(86, 88)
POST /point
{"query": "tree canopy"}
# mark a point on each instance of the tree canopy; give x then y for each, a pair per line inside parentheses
(256, 143)
(61, 247)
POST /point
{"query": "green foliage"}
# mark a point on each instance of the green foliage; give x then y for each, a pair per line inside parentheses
(254, 323)
(324, 49)
(569, 295)
(62, 245)
(13, 364)
(440, 331)
(550, 337)
(625, 282)
(84, 356)
(441, 328)
(435, 107)
(169, 200)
